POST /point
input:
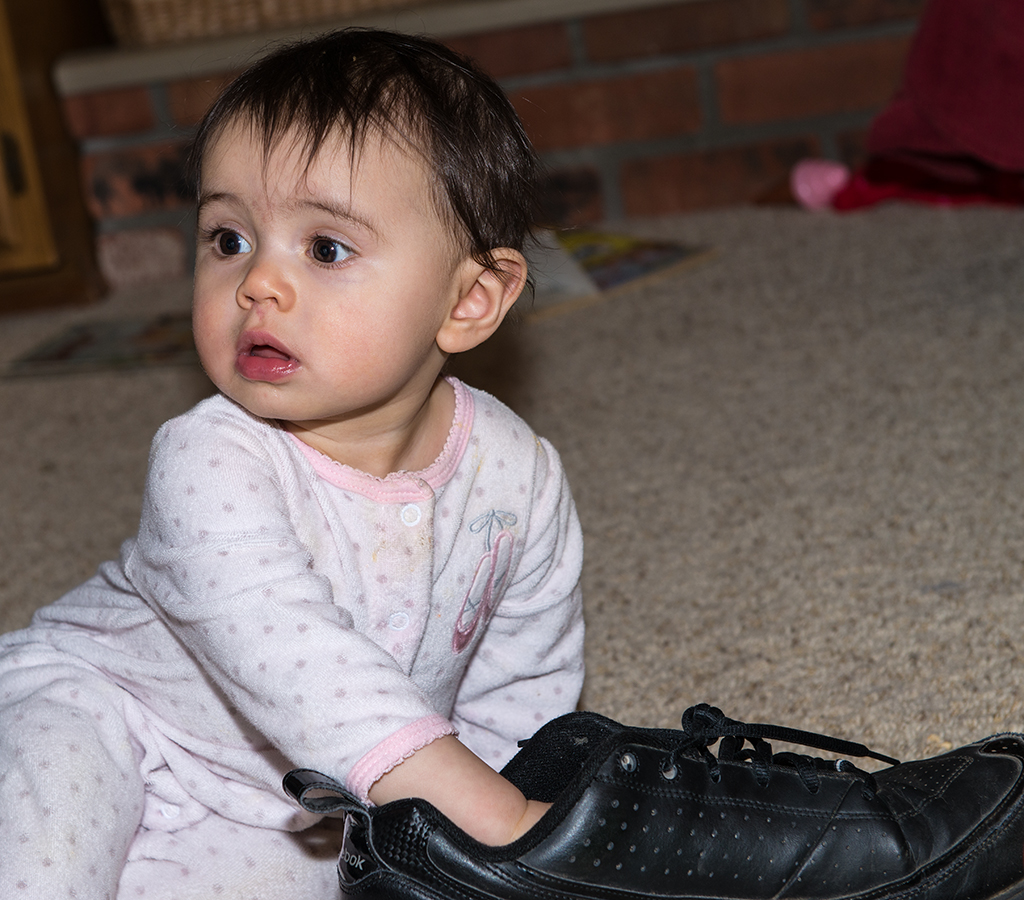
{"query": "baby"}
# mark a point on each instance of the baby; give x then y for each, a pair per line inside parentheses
(346, 561)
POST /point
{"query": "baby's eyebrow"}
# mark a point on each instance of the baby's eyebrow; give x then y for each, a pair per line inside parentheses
(206, 199)
(339, 211)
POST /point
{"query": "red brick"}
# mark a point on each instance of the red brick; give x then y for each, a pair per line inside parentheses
(603, 111)
(683, 27)
(669, 184)
(859, 75)
(826, 14)
(112, 112)
(190, 99)
(517, 51)
(135, 180)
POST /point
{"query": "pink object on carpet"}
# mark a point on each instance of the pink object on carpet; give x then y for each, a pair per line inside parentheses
(815, 182)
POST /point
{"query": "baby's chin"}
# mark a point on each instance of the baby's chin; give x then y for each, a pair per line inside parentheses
(262, 399)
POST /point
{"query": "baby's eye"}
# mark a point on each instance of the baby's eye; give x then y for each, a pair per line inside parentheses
(327, 250)
(230, 243)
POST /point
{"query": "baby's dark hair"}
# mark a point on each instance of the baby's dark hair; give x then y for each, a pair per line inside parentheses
(355, 82)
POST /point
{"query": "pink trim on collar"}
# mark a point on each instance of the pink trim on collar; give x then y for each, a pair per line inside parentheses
(402, 487)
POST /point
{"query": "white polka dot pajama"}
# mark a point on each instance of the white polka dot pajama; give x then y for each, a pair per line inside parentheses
(279, 610)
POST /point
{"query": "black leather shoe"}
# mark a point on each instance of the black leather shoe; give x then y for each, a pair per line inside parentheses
(652, 813)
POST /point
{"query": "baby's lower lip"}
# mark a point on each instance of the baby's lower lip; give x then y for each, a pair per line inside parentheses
(272, 366)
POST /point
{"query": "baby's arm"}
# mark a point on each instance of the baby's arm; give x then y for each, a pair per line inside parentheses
(481, 802)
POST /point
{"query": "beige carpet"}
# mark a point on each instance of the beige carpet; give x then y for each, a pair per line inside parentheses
(798, 469)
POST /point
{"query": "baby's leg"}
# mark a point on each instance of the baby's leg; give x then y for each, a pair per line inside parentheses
(73, 799)
(216, 859)
(71, 795)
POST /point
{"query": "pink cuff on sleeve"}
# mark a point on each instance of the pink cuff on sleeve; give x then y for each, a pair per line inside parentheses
(394, 750)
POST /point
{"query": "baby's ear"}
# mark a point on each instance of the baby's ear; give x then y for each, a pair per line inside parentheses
(485, 297)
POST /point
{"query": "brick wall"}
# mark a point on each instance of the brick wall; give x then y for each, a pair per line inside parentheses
(637, 113)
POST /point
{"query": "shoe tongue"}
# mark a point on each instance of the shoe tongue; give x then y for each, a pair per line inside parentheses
(550, 760)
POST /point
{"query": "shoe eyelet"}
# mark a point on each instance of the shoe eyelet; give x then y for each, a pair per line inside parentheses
(628, 762)
(669, 772)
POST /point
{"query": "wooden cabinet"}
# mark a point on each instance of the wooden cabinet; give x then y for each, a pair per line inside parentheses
(26, 236)
(47, 247)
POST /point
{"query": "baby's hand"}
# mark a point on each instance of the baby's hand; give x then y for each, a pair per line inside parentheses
(464, 788)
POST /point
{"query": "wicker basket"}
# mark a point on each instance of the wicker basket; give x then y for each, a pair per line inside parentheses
(150, 23)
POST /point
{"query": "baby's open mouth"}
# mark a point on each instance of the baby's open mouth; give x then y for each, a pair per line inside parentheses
(265, 351)
(261, 358)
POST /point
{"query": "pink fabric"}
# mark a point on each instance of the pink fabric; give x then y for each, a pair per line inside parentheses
(401, 745)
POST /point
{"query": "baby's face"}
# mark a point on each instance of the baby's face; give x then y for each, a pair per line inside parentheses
(319, 292)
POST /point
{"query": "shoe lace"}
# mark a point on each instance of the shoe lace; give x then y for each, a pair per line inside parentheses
(703, 725)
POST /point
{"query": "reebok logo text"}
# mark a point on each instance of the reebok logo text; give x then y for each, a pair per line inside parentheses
(353, 860)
